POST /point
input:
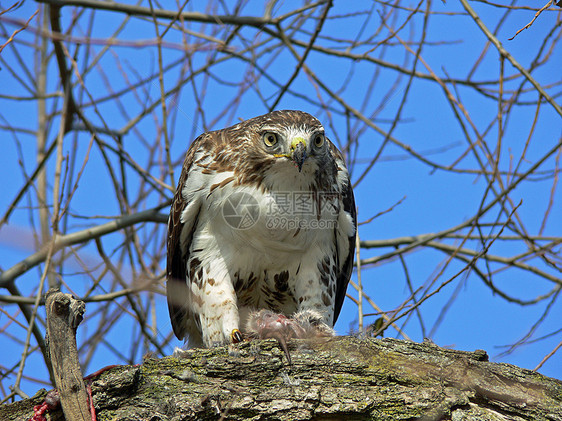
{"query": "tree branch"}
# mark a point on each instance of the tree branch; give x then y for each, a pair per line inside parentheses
(345, 377)
(151, 215)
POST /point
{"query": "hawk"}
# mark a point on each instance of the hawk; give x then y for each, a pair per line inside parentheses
(263, 218)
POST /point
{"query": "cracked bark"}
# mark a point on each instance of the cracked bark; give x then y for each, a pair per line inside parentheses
(341, 378)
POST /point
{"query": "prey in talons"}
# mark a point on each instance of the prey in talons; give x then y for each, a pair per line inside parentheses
(305, 324)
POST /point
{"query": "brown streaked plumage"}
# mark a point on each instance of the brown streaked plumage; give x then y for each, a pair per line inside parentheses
(289, 244)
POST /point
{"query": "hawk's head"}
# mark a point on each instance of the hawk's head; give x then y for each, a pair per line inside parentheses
(293, 135)
(286, 144)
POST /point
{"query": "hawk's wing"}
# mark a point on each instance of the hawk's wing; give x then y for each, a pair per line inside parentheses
(346, 267)
(178, 248)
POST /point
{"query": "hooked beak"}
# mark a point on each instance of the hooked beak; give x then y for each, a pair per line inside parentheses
(298, 151)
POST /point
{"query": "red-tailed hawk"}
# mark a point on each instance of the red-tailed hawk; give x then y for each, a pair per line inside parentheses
(263, 218)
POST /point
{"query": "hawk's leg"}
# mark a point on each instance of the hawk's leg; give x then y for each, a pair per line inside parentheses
(219, 323)
(214, 302)
(312, 324)
(315, 285)
(212, 299)
(312, 295)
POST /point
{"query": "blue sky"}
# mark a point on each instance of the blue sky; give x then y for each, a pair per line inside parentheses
(430, 200)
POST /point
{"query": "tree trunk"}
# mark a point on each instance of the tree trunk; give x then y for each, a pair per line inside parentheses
(341, 378)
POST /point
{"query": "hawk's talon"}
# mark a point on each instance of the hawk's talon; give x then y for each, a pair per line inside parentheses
(236, 336)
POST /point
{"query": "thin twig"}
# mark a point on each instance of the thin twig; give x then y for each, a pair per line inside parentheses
(542, 9)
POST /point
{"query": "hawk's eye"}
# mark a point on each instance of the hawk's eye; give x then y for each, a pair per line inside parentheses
(270, 139)
(319, 140)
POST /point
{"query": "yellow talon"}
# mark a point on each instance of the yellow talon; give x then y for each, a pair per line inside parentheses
(236, 336)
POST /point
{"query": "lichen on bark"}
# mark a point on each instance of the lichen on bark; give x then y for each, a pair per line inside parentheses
(340, 378)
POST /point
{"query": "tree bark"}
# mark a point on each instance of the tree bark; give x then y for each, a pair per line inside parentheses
(341, 378)
(64, 314)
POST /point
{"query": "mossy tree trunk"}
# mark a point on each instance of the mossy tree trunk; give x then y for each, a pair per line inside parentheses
(341, 378)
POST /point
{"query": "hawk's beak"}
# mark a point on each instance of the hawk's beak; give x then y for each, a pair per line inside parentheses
(298, 151)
